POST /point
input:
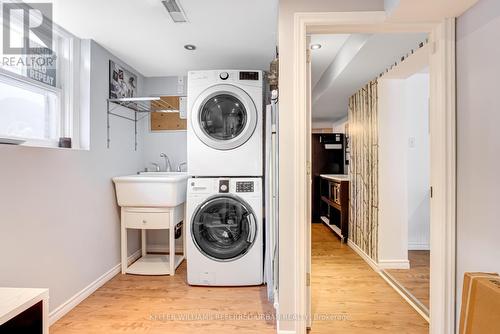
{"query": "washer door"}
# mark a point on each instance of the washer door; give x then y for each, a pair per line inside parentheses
(224, 228)
(224, 117)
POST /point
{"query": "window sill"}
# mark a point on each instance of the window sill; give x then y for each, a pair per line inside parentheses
(42, 144)
(45, 147)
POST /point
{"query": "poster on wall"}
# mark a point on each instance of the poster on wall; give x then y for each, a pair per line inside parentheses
(122, 83)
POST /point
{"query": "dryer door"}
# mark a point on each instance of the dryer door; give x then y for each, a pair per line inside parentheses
(224, 117)
(224, 228)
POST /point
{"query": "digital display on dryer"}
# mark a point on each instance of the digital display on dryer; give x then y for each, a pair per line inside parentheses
(249, 76)
(244, 187)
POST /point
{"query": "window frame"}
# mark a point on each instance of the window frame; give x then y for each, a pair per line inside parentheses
(67, 49)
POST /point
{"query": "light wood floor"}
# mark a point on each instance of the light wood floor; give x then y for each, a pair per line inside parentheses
(343, 284)
(344, 287)
(416, 279)
(146, 305)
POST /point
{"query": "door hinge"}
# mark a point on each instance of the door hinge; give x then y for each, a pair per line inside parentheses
(432, 191)
(308, 279)
(308, 168)
(308, 55)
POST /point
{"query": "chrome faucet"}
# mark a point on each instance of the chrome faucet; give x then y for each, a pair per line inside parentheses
(168, 167)
(179, 168)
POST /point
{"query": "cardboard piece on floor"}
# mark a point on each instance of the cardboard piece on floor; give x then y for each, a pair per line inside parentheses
(480, 304)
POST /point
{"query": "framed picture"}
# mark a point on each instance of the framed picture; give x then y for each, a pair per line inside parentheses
(122, 83)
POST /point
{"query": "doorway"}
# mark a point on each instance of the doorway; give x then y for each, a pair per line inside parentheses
(404, 178)
(442, 125)
(360, 178)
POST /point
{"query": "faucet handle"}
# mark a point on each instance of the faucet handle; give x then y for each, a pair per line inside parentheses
(179, 167)
(156, 166)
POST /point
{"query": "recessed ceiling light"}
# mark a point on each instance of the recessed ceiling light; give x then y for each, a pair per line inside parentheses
(315, 46)
(190, 47)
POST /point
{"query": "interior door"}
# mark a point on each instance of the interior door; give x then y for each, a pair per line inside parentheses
(309, 187)
(224, 117)
(224, 228)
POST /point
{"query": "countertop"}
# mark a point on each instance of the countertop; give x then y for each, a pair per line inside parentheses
(336, 177)
(13, 301)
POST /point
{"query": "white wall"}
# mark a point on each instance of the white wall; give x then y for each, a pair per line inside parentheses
(172, 143)
(337, 126)
(287, 187)
(404, 168)
(417, 107)
(478, 142)
(59, 222)
(393, 174)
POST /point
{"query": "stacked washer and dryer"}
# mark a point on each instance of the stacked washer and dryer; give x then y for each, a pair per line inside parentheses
(225, 162)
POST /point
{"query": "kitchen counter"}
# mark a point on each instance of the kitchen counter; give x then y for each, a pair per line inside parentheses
(336, 177)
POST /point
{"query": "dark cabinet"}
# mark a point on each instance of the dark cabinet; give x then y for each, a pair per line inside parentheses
(334, 205)
(328, 153)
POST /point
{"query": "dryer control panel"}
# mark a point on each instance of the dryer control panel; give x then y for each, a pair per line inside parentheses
(245, 187)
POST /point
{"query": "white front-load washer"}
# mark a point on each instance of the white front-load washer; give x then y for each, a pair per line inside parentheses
(225, 120)
(224, 231)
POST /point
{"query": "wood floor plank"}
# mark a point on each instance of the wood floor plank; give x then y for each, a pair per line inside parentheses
(344, 285)
(416, 279)
(164, 304)
(348, 297)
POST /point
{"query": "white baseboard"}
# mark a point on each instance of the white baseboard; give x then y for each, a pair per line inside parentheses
(394, 264)
(364, 256)
(71, 303)
(285, 332)
(418, 246)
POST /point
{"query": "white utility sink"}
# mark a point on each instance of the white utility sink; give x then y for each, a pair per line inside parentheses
(152, 189)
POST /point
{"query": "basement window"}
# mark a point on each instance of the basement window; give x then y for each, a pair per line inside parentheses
(39, 100)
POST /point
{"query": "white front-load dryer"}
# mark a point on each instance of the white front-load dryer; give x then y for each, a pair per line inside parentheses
(224, 232)
(225, 120)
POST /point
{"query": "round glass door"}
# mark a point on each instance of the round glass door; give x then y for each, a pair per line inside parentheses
(224, 228)
(224, 117)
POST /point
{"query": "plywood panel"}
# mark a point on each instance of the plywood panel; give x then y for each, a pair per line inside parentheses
(162, 121)
(166, 103)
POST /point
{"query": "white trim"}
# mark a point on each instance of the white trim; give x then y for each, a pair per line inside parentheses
(419, 246)
(394, 264)
(443, 179)
(286, 332)
(364, 256)
(80, 296)
(443, 142)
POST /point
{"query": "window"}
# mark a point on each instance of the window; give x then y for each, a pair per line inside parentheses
(38, 103)
(28, 111)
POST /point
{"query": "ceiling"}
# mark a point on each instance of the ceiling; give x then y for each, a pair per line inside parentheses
(228, 34)
(321, 58)
(361, 58)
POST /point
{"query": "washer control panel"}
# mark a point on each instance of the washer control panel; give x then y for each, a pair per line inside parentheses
(245, 187)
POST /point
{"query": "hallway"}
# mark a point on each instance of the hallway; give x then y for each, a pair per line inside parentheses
(346, 289)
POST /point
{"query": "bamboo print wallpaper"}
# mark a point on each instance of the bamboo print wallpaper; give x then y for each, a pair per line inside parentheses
(363, 169)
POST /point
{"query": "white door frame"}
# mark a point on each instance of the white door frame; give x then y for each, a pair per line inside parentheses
(443, 154)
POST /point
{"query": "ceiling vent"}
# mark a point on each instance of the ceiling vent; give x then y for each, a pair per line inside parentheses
(175, 10)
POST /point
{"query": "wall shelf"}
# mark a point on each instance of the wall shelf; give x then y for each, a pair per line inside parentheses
(138, 105)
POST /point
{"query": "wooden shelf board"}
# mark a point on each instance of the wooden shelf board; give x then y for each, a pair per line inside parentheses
(334, 228)
(153, 264)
